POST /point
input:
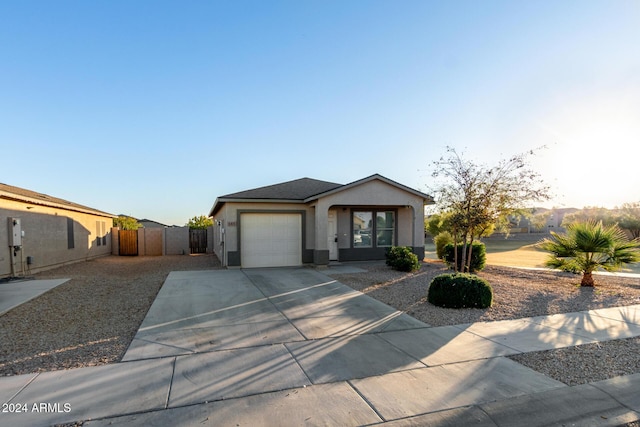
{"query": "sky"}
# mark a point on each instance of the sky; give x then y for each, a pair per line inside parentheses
(155, 108)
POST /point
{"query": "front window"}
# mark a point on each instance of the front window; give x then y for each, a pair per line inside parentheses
(362, 228)
(368, 234)
(385, 225)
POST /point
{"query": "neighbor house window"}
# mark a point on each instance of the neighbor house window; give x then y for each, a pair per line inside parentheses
(368, 233)
(70, 236)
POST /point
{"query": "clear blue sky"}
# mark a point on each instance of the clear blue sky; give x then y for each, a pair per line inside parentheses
(155, 108)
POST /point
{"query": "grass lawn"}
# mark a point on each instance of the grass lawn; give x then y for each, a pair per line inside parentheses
(514, 253)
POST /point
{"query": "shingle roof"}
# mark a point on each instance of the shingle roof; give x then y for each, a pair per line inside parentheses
(302, 190)
(20, 194)
(298, 189)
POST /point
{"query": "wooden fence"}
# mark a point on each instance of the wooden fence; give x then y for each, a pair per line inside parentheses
(198, 241)
(128, 242)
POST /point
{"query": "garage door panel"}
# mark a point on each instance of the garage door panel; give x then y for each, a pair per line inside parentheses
(271, 239)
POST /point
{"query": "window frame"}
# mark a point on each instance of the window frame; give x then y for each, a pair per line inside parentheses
(392, 228)
(71, 242)
(374, 227)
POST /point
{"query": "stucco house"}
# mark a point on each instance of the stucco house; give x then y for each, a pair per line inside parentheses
(311, 221)
(38, 231)
(148, 223)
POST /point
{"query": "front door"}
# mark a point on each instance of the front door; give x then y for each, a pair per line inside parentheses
(332, 232)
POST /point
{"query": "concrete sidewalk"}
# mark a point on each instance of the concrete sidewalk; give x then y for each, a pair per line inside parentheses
(17, 292)
(296, 347)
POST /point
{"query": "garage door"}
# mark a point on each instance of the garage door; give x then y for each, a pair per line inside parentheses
(271, 239)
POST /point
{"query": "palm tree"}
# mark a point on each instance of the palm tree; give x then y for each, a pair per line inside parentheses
(589, 246)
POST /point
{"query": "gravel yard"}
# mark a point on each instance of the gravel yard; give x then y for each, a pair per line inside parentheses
(91, 319)
(519, 293)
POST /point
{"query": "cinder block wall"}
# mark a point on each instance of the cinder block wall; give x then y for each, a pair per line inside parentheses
(52, 237)
(153, 241)
(176, 241)
(158, 241)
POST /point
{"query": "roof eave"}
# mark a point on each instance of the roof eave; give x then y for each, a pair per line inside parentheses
(81, 209)
(428, 199)
(217, 205)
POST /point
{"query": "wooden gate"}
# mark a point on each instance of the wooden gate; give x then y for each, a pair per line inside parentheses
(128, 242)
(198, 241)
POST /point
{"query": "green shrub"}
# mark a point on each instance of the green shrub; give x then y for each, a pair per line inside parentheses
(478, 256)
(441, 240)
(460, 290)
(401, 258)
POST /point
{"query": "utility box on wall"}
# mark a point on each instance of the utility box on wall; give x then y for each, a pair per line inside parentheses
(15, 232)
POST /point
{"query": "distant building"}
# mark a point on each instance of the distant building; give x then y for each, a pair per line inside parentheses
(147, 223)
(553, 222)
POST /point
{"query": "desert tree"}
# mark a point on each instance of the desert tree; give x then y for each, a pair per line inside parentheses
(199, 222)
(629, 218)
(538, 220)
(477, 197)
(125, 222)
(590, 213)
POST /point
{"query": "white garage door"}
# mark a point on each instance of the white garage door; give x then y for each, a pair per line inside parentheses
(271, 239)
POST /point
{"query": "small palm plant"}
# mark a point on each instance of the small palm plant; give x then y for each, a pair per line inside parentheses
(589, 246)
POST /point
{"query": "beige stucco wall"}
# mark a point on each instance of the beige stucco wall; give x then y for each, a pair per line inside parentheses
(374, 193)
(45, 237)
(228, 214)
(218, 236)
(211, 231)
(371, 194)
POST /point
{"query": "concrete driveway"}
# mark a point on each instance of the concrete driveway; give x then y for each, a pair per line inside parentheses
(296, 347)
(15, 293)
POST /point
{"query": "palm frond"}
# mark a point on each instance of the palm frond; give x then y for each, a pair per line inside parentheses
(590, 245)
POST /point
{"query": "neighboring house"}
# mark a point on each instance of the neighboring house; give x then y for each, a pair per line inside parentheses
(554, 223)
(38, 231)
(147, 223)
(555, 216)
(311, 221)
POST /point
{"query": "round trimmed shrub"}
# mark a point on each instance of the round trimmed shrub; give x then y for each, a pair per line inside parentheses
(478, 256)
(442, 240)
(402, 259)
(460, 290)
